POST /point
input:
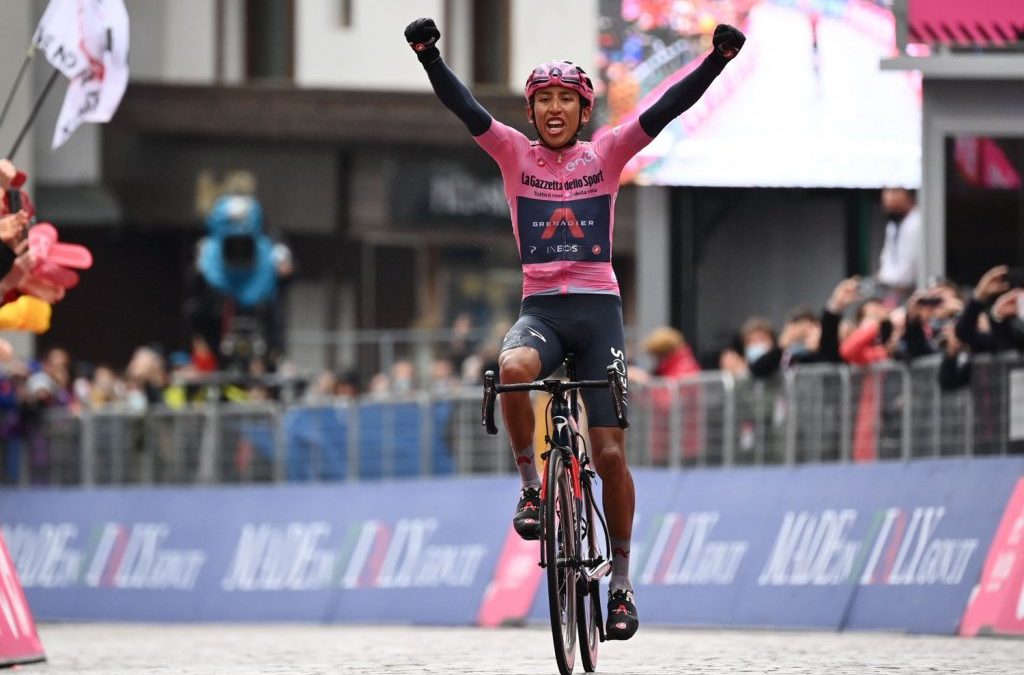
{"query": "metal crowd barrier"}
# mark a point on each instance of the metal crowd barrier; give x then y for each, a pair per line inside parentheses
(810, 414)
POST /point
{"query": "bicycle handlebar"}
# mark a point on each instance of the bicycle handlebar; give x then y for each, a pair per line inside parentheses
(615, 383)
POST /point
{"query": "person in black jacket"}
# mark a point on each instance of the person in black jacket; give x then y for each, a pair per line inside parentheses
(990, 321)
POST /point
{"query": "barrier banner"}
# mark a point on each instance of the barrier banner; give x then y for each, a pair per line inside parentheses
(19, 642)
(372, 552)
(998, 605)
(888, 546)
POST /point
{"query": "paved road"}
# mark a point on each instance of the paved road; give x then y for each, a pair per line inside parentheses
(302, 649)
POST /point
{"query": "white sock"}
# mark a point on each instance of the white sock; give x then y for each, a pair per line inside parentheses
(620, 566)
(527, 468)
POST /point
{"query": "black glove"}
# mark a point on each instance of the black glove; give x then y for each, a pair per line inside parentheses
(727, 40)
(422, 35)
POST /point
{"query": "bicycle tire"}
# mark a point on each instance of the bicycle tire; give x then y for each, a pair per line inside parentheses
(560, 537)
(588, 594)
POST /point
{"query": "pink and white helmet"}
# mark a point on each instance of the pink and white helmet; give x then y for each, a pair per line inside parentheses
(560, 74)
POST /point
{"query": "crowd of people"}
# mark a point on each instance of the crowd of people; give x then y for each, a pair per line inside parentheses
(859, 326)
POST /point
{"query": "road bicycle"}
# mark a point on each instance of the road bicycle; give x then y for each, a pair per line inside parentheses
(572, 553)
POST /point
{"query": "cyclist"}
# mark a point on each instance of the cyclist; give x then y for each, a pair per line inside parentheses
(561, 192)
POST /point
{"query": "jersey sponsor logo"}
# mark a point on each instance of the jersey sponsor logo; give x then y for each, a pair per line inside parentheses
(575, 230)
(589, 180)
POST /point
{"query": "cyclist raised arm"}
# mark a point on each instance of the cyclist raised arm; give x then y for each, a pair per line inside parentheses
(561, 193)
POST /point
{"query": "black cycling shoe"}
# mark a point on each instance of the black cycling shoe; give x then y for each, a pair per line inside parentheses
(622, 618)
(527, 519)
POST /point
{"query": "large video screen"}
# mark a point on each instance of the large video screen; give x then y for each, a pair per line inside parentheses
(805, 104)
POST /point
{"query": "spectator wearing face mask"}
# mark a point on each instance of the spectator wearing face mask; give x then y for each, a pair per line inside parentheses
(800, 339)
(760, 349)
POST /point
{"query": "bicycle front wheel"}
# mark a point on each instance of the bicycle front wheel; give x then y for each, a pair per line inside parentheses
(588, 594)
(560, 537)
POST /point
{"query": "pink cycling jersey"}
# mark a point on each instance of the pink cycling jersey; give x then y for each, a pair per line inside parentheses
(563, 205)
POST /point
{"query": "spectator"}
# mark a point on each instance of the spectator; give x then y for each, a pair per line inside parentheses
(874, 339)
(928, 312)
(673, 356)
(833, 330)
(673, 360)
(16, 260)
(403, 377)
(442, 375)
(898, 263)
(106, 388)
(955, 368)
(461, 346)
(347, 386)
(760, 349)
(990, 321)
(323, 389)
(147, 378)
(800, 339)
(486, 355)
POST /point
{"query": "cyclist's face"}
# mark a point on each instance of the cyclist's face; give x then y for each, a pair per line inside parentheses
(557, 115)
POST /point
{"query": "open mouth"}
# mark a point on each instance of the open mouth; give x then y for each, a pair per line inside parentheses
(555, 126)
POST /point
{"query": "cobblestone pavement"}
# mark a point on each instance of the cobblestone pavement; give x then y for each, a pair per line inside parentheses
(312, 649)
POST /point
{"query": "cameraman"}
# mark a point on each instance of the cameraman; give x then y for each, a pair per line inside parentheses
(234, 306)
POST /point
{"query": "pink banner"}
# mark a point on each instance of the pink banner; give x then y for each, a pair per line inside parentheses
(996, 22)
(19, 642)
(998, 605)
(510, 594)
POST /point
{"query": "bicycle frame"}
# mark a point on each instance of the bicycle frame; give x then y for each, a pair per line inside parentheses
(565, 440)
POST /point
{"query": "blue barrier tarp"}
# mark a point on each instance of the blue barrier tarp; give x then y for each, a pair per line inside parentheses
(896, 546)
(391, 441)
(393, 551)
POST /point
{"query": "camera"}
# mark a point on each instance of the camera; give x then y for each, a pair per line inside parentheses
(239, 251)
(1015, 276)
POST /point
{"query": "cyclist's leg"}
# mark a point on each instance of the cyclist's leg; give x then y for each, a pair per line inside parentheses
(529, 347)
(604, 345)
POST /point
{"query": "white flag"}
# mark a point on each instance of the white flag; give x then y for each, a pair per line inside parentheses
(87, 41)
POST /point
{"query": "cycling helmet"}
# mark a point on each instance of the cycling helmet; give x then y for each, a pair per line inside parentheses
(562, 74)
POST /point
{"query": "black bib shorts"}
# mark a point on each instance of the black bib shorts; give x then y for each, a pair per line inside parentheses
(588, 325)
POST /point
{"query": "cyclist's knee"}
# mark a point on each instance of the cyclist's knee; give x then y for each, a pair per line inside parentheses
(610, 460)
(521, 364)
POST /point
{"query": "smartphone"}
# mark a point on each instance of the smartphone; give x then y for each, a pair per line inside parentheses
(867, 287)
(1015, 276)
(929, 301)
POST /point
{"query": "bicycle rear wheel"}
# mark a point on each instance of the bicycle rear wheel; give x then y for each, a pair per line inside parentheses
(588, 593)
(560, 537)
